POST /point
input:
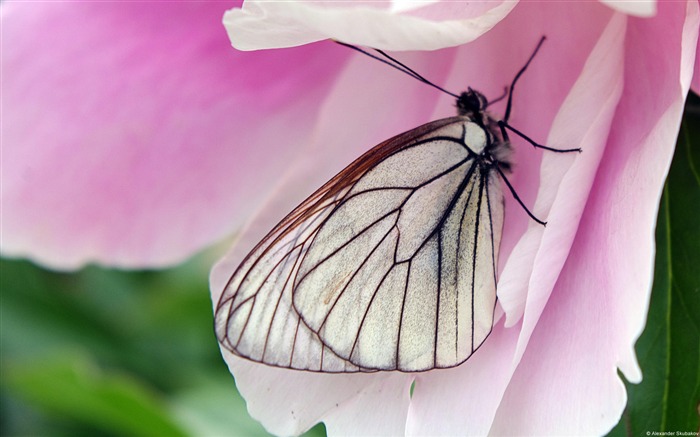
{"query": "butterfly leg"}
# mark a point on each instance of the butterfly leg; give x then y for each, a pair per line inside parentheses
(503, 125)
(515, 195)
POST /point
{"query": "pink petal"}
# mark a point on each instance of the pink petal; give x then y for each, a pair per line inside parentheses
(564, 386)
(383, 25)
(477, 406)
(522, 236)
(584, 119)
(289, 402)
(598, 307)
(464, 400)
(695, 84)
(133, 135)
(378, 409)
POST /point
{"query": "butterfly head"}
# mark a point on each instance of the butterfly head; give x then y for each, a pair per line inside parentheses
(471, 103)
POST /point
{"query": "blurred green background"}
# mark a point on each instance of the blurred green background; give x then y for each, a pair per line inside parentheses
(114, 353)
(105, 352)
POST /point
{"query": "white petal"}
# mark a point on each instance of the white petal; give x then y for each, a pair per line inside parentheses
(260, 24)
(398, 6)
(639, 8)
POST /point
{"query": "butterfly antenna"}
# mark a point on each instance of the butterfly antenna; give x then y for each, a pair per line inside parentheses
(517, 76)
(498, 99)
(396, 64)
(503, 124)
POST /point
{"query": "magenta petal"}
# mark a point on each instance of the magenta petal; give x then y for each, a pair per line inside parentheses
(133, 135)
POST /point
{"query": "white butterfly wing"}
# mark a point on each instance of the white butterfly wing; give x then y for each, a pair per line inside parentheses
(255, 318)
(389, 266)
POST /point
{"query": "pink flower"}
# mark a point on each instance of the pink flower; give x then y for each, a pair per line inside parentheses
(573, 295)
(133, 135)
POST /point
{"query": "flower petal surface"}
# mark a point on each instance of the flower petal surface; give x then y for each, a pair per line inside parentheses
(394, 25)
(597, 308)
(138, 137)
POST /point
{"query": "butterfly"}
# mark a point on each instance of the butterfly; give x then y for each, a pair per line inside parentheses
(391, 265)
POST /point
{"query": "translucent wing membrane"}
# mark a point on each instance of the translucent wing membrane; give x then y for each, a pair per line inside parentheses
(389, 266)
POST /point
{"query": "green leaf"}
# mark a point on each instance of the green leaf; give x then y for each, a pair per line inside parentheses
(71, 386)
(669, 348)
